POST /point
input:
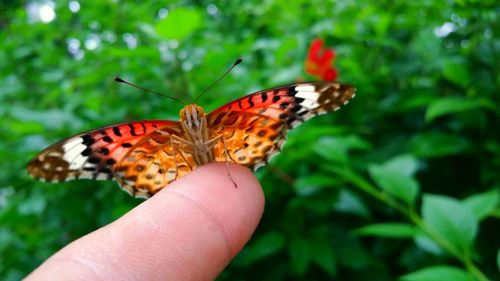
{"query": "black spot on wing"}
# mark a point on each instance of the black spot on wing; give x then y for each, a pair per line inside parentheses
(298, 100)
(93, 160)
(117, 132)
(264, 96)
(296, 108)
(132, 130)
(86, 151)
(87, 140)
(284, 105)
(250, 101)
(103, 151)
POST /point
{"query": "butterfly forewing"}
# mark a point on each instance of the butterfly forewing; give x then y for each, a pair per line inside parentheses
(109, 153)
(255, 126)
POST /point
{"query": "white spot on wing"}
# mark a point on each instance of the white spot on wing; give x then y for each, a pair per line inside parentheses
(143, 195)
(77, 162)
(258, 165)
(102, 176)
(89, 165)
(54, 154)
(72, 153)
(171, 175)
(305, 88)
(309, 104)
(307, 95)
(306, 92)
(127, 187)
(71, 144)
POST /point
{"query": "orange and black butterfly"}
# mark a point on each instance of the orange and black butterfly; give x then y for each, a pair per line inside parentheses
(145, 156)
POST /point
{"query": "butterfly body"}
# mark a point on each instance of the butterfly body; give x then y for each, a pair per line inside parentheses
(145, 156)
(196, 134)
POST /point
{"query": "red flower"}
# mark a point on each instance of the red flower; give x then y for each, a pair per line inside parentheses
(319, 61)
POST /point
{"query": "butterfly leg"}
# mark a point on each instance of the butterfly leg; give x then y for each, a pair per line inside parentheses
(175, 158)
(226, 153)
(180, 140)
(210, 145)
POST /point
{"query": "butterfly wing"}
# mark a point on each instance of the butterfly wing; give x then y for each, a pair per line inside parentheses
(140, 156)
(255, 126)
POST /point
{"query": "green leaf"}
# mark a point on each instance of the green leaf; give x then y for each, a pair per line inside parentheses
(483, 204)
(350, 203)
(456, 72)
(267, 245)
(452, 219)
(438, 273)
(395, 177)
(119, 210)
(312, 183)
(336, 148)
(179, 23)
(438, 144)
(322, 254)
(299, 255)
(450, 105)
(404, 164)
(389, 230)
(427, 244)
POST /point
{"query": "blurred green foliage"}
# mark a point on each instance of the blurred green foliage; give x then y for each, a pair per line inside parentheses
(401, 183)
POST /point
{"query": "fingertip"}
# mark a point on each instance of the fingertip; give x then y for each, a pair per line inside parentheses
(188, 231)
(236, 209)
(204, 219)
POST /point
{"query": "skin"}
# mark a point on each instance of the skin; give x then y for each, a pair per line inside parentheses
(188, 231)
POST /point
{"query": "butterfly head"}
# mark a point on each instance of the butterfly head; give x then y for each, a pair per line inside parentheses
(192, 115)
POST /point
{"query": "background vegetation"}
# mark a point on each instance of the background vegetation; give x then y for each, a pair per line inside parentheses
(401, 183)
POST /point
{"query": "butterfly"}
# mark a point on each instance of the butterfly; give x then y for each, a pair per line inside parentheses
(145, 156)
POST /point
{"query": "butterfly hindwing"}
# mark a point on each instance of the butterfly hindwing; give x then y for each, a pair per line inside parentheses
(153, 162)
(255, 126)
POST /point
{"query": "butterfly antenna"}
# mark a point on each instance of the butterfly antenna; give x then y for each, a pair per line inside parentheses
(238, 61)
(119, 80)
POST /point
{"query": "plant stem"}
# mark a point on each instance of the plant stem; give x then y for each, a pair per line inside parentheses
(414, 217)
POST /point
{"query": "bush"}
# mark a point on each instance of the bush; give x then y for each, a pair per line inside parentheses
(401, 183)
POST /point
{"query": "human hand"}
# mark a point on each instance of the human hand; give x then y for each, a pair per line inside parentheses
(188, 231)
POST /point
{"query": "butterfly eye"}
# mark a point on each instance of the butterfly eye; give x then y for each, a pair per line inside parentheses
(200, 112)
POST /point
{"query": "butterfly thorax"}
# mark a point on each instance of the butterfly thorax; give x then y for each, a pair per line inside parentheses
(196, 136)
